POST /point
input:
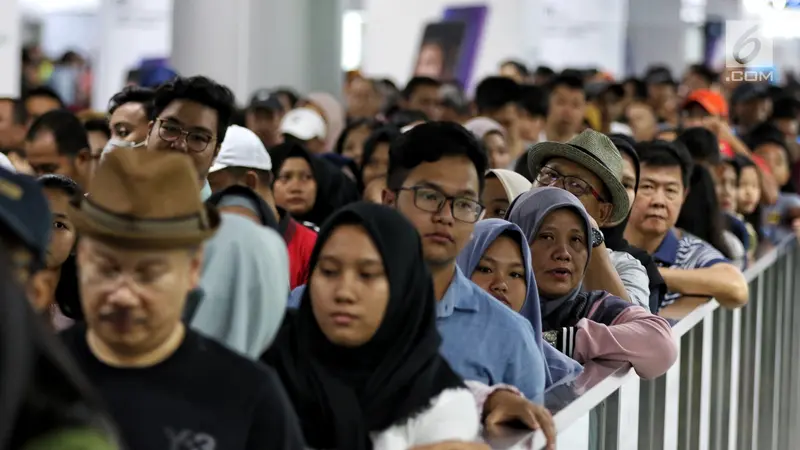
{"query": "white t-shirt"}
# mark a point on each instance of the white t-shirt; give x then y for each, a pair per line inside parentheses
(451, 417)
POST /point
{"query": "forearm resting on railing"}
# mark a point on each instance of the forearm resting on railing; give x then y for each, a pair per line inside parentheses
(722, 281)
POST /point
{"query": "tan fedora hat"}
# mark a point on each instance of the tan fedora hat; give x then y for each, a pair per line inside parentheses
(148, 200)
(596, 152)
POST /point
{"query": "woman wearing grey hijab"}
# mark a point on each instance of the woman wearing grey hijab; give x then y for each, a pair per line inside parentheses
(584, 325)
(245, 286)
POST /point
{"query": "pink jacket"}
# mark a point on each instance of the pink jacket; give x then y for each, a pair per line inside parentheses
(643, 339)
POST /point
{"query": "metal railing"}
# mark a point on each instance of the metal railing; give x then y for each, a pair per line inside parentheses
(735, 385)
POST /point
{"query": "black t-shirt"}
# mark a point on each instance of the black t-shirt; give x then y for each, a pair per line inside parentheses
(203, 397)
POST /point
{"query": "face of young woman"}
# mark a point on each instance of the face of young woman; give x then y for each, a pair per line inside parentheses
(295, 188)
(501, 273)
(749, 190)
(349, 288)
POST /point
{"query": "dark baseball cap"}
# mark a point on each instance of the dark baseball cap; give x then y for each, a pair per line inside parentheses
(749, 91)
(25, 213)
(265, 99)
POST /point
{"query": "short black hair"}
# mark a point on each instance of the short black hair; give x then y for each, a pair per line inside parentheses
(518, 65)
(544, 71)
(403, 117)
(45, 91)
(702, 144)
(785, 107)
(533, 100)
(568, 81)
(134, 94)
(639, 87)
(67, 129)
(289, 93)
(494, 93)
(430, 142)
(19, 112)
(418, 82)
(100, 125)
(62, 183)
(666, 154)
(202, 90)
(387, 134)
(704, 72)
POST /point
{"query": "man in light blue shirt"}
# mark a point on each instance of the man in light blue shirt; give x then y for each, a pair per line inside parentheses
(436, 175)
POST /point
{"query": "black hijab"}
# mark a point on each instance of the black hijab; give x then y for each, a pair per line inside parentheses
(343, 394)
(334, 188)
(615, 236)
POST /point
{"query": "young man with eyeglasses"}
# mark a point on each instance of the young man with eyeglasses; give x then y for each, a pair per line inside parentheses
(435, 179)
(191, 116)
(590, 167)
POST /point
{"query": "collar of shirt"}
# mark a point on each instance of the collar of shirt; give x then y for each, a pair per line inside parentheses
(460, 295)
(286, 226)
(205, 192)
(668, 249)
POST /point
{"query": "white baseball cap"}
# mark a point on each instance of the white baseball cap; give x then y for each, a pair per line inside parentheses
(304, 124)
(242, 148)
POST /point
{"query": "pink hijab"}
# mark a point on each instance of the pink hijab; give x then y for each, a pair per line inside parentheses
(334, 116)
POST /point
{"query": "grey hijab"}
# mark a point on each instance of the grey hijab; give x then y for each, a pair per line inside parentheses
(529, 210)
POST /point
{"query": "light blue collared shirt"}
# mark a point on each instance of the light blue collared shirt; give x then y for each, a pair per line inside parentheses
(482, 339)
(205, 192)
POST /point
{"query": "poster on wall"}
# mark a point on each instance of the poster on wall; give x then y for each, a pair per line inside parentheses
(439, 50)
(714, 44)
(473, 18)
(449, 48)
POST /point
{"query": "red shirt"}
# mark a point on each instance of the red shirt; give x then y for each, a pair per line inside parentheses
(300, 241)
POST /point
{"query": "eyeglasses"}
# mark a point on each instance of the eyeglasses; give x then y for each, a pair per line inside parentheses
(432, 200)
(574, 185)
(196, 141)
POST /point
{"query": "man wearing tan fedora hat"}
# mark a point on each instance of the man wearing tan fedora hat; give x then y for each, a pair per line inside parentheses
(139, 256)
(590, 167)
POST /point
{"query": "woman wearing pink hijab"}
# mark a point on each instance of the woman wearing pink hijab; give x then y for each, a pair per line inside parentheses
(333, 113)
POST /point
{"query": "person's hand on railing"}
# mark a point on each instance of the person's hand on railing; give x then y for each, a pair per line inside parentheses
(453, 445)
(796, 227)
(505, 407)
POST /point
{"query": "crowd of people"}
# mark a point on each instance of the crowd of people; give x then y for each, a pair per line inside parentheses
(406, 271)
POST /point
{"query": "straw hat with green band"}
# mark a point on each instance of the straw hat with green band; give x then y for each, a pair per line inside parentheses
(596, 152)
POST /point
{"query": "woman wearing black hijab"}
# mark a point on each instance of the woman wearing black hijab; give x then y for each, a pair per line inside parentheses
(360, 357)
(309, 200)
(614, 236)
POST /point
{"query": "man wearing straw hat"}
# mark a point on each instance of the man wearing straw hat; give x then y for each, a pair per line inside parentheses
(590, 167)
(139, 256)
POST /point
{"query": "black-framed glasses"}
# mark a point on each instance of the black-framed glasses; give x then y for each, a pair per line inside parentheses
(574, 185)
(196, 141)
(432, 200)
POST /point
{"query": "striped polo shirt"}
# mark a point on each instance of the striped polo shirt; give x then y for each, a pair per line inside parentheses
(685, 252)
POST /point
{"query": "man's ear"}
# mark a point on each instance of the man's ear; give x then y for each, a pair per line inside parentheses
(41, 288)
(251, 180)
(605, 213)
(389, 198)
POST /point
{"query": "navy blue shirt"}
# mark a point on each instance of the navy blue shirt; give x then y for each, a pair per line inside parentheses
(687, 252)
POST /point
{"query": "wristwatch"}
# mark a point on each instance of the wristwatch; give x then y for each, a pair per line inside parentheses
(597, 238)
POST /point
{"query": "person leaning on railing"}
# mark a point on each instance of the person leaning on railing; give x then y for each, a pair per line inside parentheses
(582, 323)
(689, 265)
